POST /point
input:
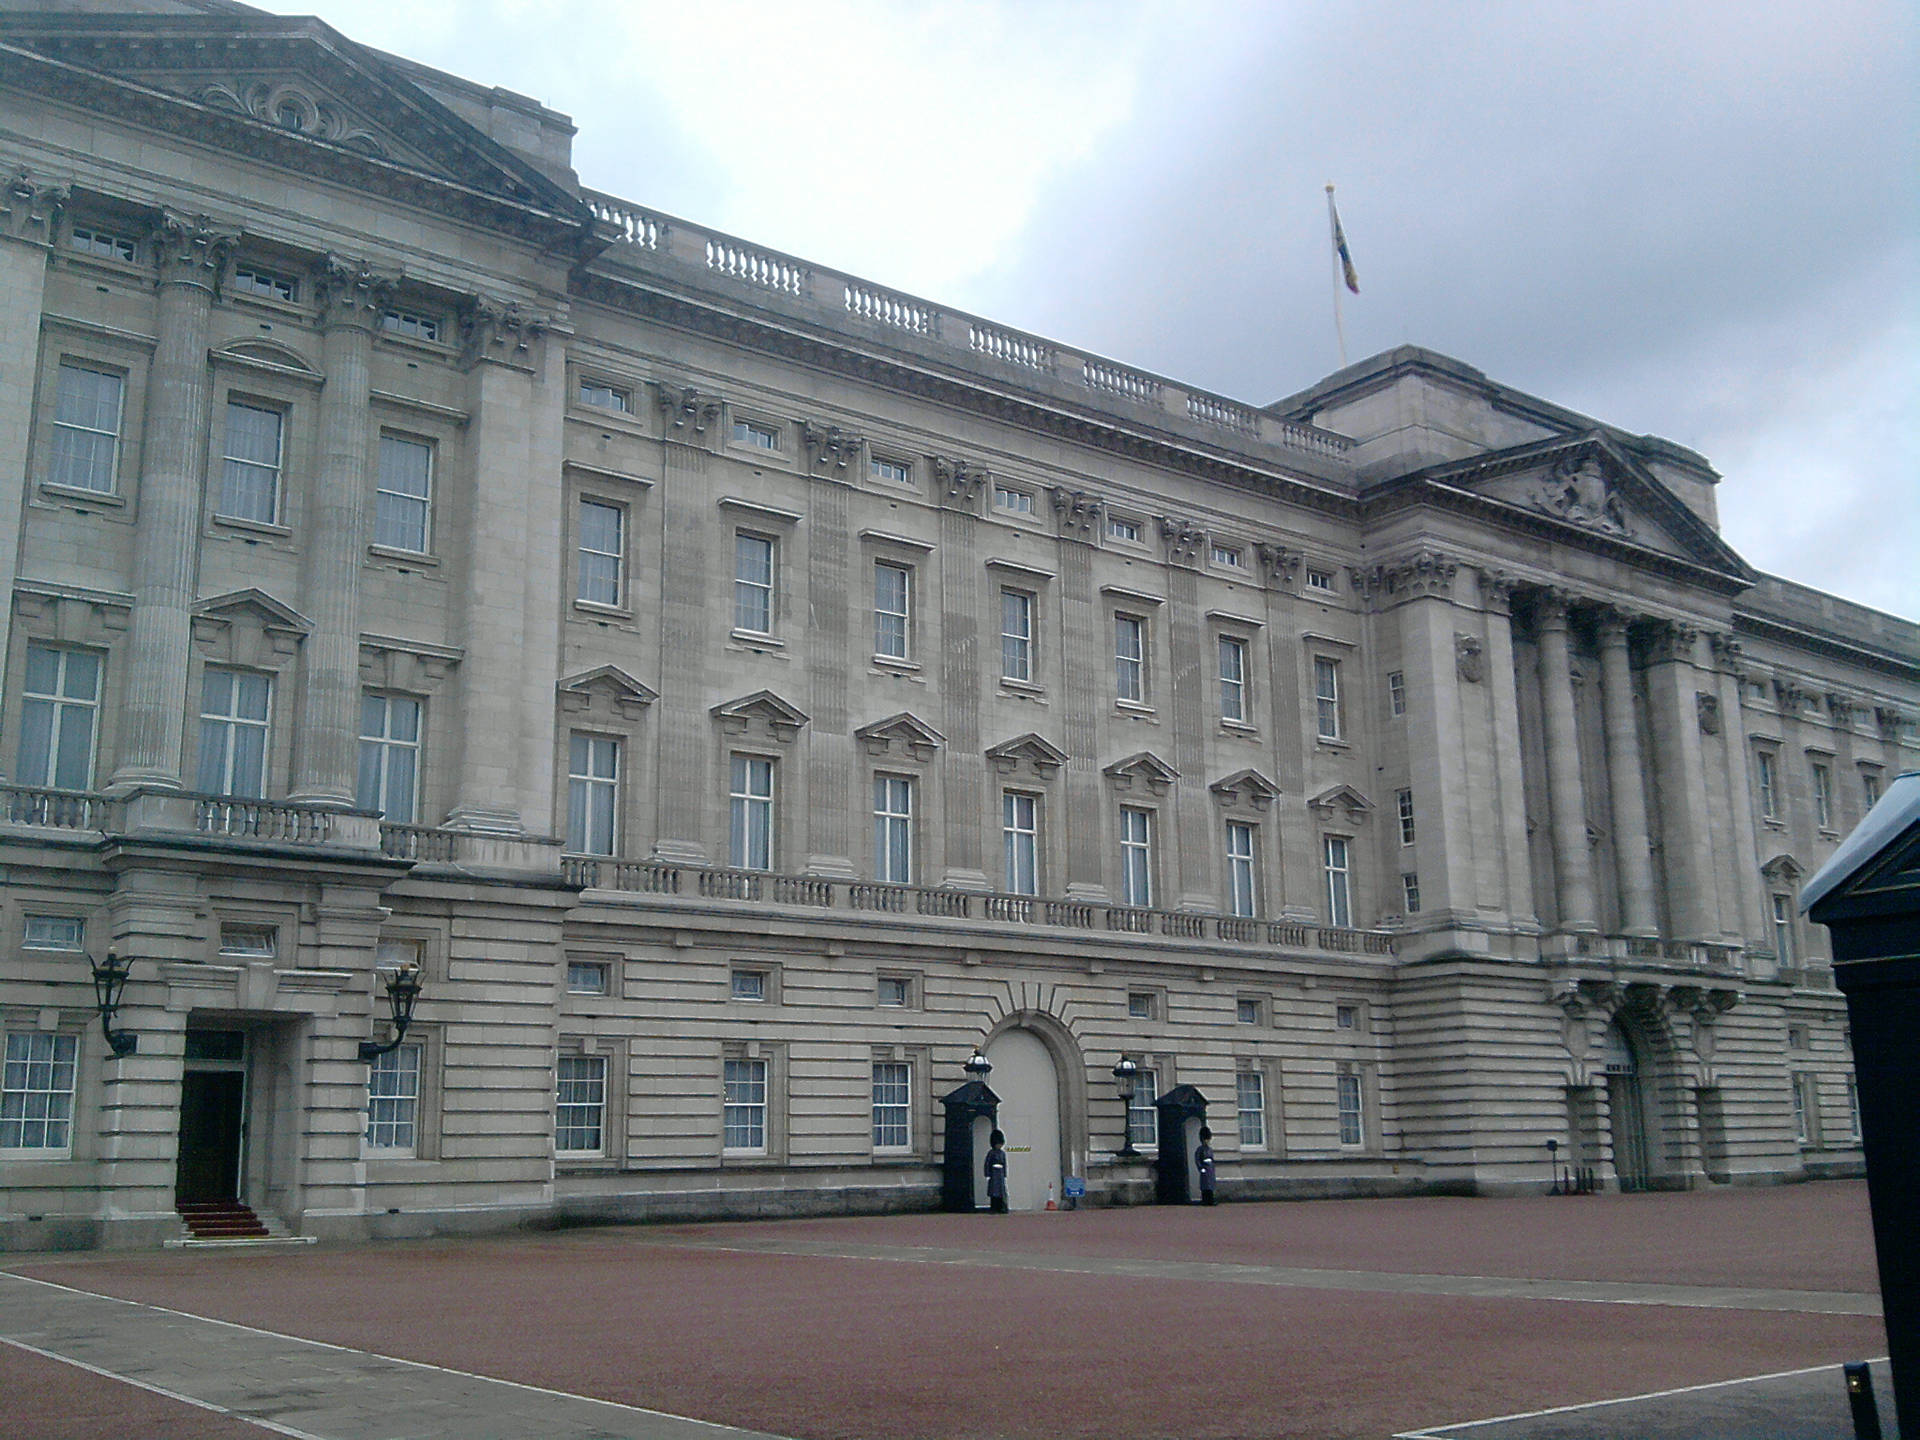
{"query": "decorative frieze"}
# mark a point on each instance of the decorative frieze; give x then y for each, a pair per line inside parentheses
(1579, 491)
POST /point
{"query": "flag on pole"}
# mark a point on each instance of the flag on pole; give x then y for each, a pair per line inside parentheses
(1340, 247)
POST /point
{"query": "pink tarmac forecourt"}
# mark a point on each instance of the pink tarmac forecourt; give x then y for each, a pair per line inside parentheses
(966, 1326)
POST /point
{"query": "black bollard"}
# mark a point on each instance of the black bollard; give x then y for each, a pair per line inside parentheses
(1866, 1413)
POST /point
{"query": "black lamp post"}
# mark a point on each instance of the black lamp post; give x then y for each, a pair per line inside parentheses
(109, 982)
(1126, 1075)
(978, 1067)
(403, 989)
(1553, 1167)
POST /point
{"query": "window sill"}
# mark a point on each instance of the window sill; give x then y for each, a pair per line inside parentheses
(1239, 730)
(433, 349)
(253, 527)
(1333, 742)
(1135, 710)
(897, 664)
(755, 640)
(1024, 689)
(595, 610)
(626, 420)
(75, 495)
(402, 557)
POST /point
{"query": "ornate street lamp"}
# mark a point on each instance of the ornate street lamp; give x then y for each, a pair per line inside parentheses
(978, 1067)
(1126, 1075)
(403, 990)
(109, 983)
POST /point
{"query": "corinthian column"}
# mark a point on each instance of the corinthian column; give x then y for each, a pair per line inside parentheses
(1572, 872)
(165, 547)
(1625, 767)
(350, 298)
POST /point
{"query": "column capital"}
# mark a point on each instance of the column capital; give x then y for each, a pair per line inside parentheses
(1182, 539)
(959, 481)
(1079, 513)
(1611, 622)
(1728, 653)
(1672, 641)
(1280, 563)
(829, 447)
(192, 249)
(1552, 606)
(502, 331)
(686, 411)
(32, 208)
(350, 292)
(1497, 588)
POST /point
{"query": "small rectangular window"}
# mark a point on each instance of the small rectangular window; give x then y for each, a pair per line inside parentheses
(580, 1105)
(1326, 697)
(744, 1122)
(54, 932)
(403, 499)
(606, 397)
(1403, 802)
(1250, 1097)
(412, 324)
(747, 985)
(87, 410)
(393, 1100)
(895, 992)
(587, 977)
(1016, 635)
(103, 244)
(1130, 658)
(1230, 557)
(750, 835)
(1320, 580)
(1410, 892)
(894, 472)
(1246, 1011)
(252, 280)
(1140, 1005)
(250, 483)
(1136, 857)
(892, 610)
(753, 557)
(892, 1105)
(36, 1091)
(1346, 1017)
(1233, 679)
(259, 942)
(1396, 692)
(1017, 502)
(760, 437)
(603, 553)
(1120, 529)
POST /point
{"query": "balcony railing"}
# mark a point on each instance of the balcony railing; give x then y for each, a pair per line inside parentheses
(54, 809)
(767, 888)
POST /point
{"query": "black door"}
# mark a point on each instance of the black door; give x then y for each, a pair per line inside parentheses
(210, 1109)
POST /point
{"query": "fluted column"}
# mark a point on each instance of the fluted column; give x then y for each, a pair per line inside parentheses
(964, 781)
(1496, 595)
(1572, 871)
(1625, 767)
(689, 630)
(829, 743)
(1081, 674)
(153, 715)
(350, 297)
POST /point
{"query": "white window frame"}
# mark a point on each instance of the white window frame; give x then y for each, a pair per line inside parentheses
(602, 577)
(403, 518)
(749, 984)
(250, 940)
(393, 1100)
(756, 435)
(1136, 856)
(1403, 805)
(892, 1106)
(1227, 557)
(750, 808)
(226, 728)
(389, 775)
(893, 829)
(1020, 834)
(892, 610)
(42, 931)
(102, 244)
(1350, 1102)
(55, 714)
(1822, 794)
(1326, 698)
(603, 396)
(1396, 692)
(1130, 658)
(1250, 1084)
(1248, 1010)
(1410, 891)
(579, 983)
(1012, 500)
(1321, 580)
(39, 1080)
(593, 793)
(1336, 852)
(1143, 1116)
(247, 479)
(893, 992)
(745, 1085)
(411, 325)
(1766, 775)
(580, 1105)
(1017, 648)
(1231, 653)
(754, 585)
(1784, 949)
(1243, 876)
(894, 472)
(1121, 528)
(75, 461)
(255, 280)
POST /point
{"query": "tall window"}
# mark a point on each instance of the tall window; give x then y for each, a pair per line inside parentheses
(892, 594)
(1822, 796)
(1783, 929)
(389, 755)
(1250, 1091)
(403, 501)
(1326, 698)
(1353, 1130)
(750, 841)
(1016, 635)
(893, 829)
(580, 1105)
(1397, 692)
(1020, 826)
(1339, 884)
(1130, 657)
(892, 1105)
(1802, 1108)
(87, 409)
(1143, 1120)
(233, 732)
(745, 1103)
(603, 553)
(1243, 897)
(36, 1091)
(1136, 856)
(57, 714)
(1233, 678)
(1410, 891)
(1870, 788)
(752, 583)
(393, 1099)
(593, 794)
(1403, 800)
(250, 483)
(1765, 773)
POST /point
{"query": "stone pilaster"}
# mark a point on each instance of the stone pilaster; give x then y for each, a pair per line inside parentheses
(829, 660)
(1290, 842)
(1445, 805)
(1496, 595)
(1081, 672)
(688, 631)
(1686, 839)
(1754, 924)
(1625, 771)
(957, 486)
(1198, 837)
(351, 297)
(1572, 865)
(192, 253)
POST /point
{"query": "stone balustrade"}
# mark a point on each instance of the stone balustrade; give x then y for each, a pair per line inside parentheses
(54, 809)
(846, 301)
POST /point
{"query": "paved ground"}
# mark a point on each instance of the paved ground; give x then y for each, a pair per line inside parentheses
(1336, 1318)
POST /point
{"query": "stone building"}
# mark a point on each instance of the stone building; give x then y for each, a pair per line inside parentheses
(742, 691)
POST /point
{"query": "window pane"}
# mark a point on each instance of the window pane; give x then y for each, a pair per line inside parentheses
(86, 428)
(402, 501)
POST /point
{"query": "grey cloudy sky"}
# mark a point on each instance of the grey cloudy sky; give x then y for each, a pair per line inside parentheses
(1699, 220)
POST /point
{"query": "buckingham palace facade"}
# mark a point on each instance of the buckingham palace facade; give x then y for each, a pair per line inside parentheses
(733, 693)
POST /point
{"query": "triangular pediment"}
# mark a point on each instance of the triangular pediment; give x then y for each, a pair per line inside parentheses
(1341, 797)
(1782, 869)
(904, 733)
(1041, 755)
(1144, 769)
(292, 92)
(1588, 485)
(762, 709)
(609, 686)
(1245, 787)
(253, 605)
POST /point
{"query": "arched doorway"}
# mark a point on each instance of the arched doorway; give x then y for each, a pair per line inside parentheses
(1626, 1108)
(1028, 1084)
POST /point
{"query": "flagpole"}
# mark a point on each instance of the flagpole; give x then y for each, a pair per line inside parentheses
(1333, 230)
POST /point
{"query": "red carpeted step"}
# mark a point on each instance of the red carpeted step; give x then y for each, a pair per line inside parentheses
(221, 1220)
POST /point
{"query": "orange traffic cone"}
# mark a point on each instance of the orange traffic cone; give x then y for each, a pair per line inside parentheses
(1050, 1204)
